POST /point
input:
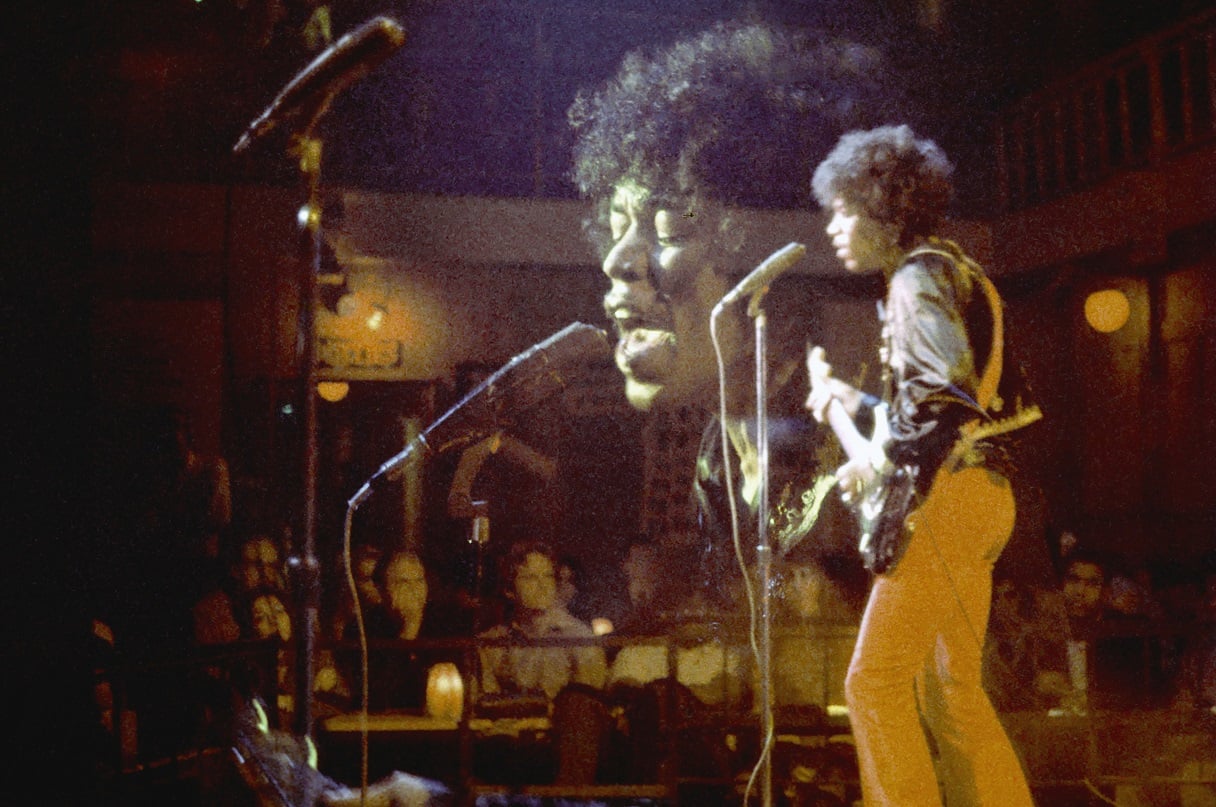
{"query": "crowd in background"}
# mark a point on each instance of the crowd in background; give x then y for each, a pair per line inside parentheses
(1105, 636)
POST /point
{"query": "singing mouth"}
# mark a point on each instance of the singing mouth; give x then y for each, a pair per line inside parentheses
(627, 320)
(646, 342)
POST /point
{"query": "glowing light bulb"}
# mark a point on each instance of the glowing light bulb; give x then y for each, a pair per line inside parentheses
(333, 391)
(1107, 311)
(376, 318)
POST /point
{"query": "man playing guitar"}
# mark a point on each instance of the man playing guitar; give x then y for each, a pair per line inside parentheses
(935, 506)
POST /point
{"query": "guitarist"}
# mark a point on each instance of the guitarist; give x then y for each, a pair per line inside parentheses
(936, 506)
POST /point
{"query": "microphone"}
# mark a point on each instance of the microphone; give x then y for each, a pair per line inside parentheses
(538, 373)
(346, 61)
(765, 273)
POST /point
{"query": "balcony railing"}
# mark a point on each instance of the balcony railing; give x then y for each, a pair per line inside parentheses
(1129, 111)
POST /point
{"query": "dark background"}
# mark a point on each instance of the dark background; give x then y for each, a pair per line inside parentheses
(473, 105)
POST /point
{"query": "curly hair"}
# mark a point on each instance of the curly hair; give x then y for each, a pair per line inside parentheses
(889, 175)
(739, 114)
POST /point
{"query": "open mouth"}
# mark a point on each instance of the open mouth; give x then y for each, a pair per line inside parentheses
(645, 343)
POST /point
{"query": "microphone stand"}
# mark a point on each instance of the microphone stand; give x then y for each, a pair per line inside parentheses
(308, 150)
(305, 567)
(763, 550)
(309, 96)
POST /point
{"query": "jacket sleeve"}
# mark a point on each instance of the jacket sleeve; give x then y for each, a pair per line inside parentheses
(932, 365)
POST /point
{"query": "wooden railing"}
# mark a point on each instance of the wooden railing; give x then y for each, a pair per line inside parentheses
(1129, 111)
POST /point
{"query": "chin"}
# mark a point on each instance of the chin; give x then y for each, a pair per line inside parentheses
(642, 395)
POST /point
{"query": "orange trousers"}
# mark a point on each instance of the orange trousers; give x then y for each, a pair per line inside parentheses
(916, 665)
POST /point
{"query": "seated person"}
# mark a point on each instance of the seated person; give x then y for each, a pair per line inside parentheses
(562, 681)
(1007, 657)
(271, 621)
(808, 667)
(1086, 657)
(223, 615)
(366, 560)
(646, 699)
(398, 676)
(531, 587)
(706, 665)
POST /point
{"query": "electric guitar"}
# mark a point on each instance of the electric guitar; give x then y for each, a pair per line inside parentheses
(882, 504)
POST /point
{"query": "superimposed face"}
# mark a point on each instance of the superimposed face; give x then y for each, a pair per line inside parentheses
(861, 243)
(536, 583)
(666, 266)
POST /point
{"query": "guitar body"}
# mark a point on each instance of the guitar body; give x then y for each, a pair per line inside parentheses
(884, 503)
(881, 514)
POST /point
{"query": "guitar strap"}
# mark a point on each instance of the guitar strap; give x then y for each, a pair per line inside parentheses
(986, 391)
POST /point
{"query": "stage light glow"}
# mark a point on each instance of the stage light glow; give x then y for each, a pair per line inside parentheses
(333, 391)
(308, 217)
(1107, 311)
(444, 691)
(376, 318)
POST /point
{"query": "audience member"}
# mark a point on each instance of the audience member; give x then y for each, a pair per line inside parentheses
(364, 563)
(397, 674)
(201, 505)
(1132, 594)
(808, 666)
(1065, 619)
(525, 678)
(1199, 662)
(224, 614)
(531, 587)
(641, 567)
(571, 588)
(704, 628)
(1007, 665)
(1084, 655)
(166, 506)
(270, 621)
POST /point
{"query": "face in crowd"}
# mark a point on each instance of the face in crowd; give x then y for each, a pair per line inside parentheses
(405, 585)
(270, 618)
(1083, 583)
(535, 584)
(260, 565)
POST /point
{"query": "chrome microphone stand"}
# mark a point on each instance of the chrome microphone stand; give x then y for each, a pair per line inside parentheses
(763, 550)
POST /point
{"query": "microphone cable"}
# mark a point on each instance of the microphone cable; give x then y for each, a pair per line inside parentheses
(749, 588)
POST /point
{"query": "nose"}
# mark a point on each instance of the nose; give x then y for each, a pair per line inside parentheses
(833, 225)
(627, 260)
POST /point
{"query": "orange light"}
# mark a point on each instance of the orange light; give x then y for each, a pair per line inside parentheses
(444, 691)
(333, 391)
(1107, 311)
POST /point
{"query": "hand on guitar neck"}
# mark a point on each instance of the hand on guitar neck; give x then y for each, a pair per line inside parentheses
(877, 492)
(836, 402)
